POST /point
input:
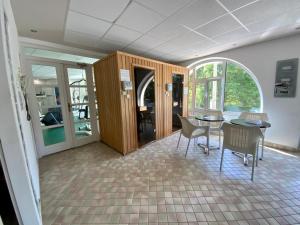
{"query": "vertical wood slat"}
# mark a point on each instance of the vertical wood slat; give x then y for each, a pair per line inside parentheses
(117, 112)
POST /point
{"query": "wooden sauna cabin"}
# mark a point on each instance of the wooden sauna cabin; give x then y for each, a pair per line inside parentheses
(136, 98)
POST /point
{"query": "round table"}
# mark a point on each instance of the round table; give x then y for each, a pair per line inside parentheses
(210, 119)
(251, 123)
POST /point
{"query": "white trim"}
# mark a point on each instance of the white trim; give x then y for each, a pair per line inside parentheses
(50, 46)
(201, 61)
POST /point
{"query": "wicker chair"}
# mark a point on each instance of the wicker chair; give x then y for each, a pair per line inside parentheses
(241, 139)
(257, 116)
(191, 131)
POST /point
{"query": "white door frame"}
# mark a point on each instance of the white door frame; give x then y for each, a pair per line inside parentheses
(62, 78)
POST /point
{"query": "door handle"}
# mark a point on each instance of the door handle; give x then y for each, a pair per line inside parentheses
(69, 106)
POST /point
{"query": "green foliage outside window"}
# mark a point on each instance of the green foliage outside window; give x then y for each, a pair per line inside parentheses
(241, 92)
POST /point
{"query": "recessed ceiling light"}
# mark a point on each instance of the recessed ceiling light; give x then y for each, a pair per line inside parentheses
(33, 30)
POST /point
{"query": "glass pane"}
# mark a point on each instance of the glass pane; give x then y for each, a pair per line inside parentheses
(200, 96)
(44, 75)
(79, 95)
(241, 92)
(208, 70)
(76, 76)
(80, 113)
(53, 136)
(47, 96)
(83, 129)
(214, 94)
(51, 116)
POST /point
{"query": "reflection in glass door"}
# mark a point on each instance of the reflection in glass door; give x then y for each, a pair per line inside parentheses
(81, 104)
(62, 106)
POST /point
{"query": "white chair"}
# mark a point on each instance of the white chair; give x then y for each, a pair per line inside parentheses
(241, 139)
(213, 126)
(257, 116)
(191, 131)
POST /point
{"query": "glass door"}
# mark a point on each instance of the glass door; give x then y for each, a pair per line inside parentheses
(48, 107)
(81, 104)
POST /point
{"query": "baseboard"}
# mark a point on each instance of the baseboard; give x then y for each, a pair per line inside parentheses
(281, 147)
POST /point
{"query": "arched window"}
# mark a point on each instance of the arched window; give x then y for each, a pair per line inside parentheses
(223, 84)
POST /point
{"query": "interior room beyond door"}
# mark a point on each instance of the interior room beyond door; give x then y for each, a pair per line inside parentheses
(177, 101)
(145, 105)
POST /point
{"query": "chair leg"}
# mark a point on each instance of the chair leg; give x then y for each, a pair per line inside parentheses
(221, 164)
(256, 156)
(178, 140)
(219, 139)
(207, 144)
(262, 148)
(187, 147)
(252, 174)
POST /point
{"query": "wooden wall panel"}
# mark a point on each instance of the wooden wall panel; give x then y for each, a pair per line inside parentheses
(113, 105)
(108, 97)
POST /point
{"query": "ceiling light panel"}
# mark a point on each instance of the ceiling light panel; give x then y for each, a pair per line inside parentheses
(198, 13)
(85, 24)
(121, 34)
(220, 26)
(108, 10)
(165, 7)
(139, 18)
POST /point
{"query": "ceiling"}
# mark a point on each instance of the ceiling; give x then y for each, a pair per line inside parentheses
(172, 30)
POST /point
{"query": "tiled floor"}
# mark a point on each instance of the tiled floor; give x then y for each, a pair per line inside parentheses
(157, 185)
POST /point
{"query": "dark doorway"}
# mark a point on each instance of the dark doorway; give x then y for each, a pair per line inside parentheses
(177, 100)
(145, 104)
(7, 211)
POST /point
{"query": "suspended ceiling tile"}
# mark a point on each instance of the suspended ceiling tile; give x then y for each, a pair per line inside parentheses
(217, 27)
(168, 29)
(165, 7)
(198, 13)
(109, 46)
(85, 24)
(232, 37)
(139, 18)
(266, 9)
(107, 10)
(80, 38)
(146, 42)
(235, 4)
(121, 34)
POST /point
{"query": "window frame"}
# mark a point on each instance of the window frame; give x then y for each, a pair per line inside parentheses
(194, 66)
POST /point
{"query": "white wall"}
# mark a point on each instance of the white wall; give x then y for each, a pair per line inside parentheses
(284, 113)
(15, 131)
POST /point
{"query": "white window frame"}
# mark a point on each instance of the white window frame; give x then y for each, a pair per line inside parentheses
(225, 62)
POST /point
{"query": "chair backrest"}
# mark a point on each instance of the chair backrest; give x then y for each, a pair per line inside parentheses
(211, 113)
(240, 138)
(187, 126)
(254, 116)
